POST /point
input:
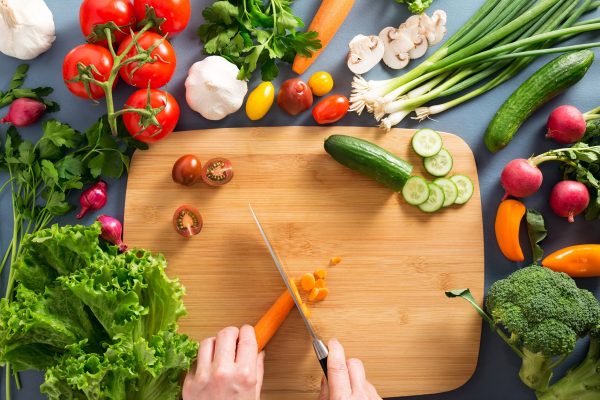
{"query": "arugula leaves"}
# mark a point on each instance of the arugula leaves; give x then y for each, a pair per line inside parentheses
(15, 91)
(251, 34)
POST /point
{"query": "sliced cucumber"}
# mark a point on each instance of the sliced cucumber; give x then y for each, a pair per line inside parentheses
(435, 201)
(415, 191)
(427, 142)
(450, 190)
(465, 188)
(440, 164)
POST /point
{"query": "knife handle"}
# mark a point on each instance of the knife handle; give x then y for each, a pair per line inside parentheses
(322, 353)
(270, 322)
(323, 362)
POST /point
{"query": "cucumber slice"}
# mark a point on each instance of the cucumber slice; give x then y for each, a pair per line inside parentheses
(450, 190)
(465, 188)
(435, 201)
(415, 191)
(427, 142)
(440, 164)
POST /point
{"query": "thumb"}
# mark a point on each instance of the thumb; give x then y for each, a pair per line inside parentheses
(324, 394)
(260, 372)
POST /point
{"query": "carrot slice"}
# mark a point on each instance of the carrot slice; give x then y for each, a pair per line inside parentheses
(313, 294)
(320, 283)
(307, 282)
(320, 274)
(322, 294)
(295, 289)
(335, 260)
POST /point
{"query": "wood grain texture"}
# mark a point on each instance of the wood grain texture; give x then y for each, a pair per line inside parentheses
(386, 302)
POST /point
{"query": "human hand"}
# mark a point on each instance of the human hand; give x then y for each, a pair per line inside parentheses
(346, 379)
(228, 367)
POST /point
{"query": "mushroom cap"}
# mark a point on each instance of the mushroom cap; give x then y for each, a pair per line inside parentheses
(365, 53)
(420, 49)
(397, 45)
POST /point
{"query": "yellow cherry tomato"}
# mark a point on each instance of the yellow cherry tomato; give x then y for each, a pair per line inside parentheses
(260, 101)
(320, 83)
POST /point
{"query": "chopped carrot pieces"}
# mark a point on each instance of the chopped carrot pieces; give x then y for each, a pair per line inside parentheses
(313, 294)
(307, 282)
(322, 294)
(320, 274)
(305, 310)
(336, 260)
(320, 283)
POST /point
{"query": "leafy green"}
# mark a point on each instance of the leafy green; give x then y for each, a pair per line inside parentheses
(102, 324)
(416, 6)
(15, 91)
(252, 34)
(536, 230)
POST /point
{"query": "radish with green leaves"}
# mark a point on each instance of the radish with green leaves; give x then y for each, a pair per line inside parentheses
(567, 124)
(569, 199)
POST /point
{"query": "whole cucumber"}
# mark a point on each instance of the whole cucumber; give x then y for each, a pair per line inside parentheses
(369, 159)
(549, 81)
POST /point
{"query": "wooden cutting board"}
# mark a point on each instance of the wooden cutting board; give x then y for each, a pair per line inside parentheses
(386, 304)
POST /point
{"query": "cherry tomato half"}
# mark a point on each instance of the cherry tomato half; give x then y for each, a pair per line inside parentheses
(100, 62)
(331, 109)
(320, 83)
(167, 118)
(294, 96)
(217, 172)
(187, 170)
(157, 73)
(176, 13)
(95, 13)
(187, 221)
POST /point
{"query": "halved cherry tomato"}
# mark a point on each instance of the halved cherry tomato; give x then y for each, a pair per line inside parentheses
(331, 109)
(217, 172)
(320, 83)
(157, 73)
(260, 101)
(167, 118)
(187, 221)
(95, 14)
(97, 60)
(175, 12)
(187, 170)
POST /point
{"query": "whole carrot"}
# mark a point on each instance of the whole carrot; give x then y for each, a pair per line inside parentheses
(270, 322)
(330, 16)
(581, 261)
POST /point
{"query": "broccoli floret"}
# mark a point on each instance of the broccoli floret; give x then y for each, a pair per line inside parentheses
(416, 6)
(540, 314)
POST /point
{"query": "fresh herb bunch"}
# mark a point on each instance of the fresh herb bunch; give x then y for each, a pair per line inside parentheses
(16, 91)
(416, 6)
(252, 34)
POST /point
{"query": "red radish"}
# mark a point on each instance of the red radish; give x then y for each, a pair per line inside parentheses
(112, 231)
(24, 112)
(566, 124)
(569, 198)
(93, 198)
(520, 178)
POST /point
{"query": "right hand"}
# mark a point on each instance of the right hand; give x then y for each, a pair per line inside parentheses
(347, 379)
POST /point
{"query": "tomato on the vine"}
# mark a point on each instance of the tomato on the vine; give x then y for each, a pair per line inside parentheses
(167, 118)
(97, 62)
(331, 109)
(94, 14)
(175, 12)
(157, 73)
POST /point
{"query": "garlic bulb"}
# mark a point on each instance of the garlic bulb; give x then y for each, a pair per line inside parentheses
(26, 28)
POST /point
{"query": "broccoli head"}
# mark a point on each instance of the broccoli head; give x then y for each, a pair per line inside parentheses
(416, 6)
(540, 314)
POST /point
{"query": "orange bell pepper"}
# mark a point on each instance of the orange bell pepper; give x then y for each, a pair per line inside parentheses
(508, 221)
(581, 261)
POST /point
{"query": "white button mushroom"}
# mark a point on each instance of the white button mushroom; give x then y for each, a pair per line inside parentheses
(365, 53)
(397, 47)
(213, 89)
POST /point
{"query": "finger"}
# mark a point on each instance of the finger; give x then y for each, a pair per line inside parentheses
(247, 349)
(324, 393)
(260, 372)
(225, 346)
(205, 355)
(358, 377)
(373, 395)
(337, 371)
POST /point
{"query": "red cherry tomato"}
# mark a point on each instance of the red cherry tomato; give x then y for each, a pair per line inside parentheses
(93, 13)
(176, 13)
(217, 172)
(167, 118)
(157, 73)
(331, 109)
(294, 96)
(187, 221)
(90, 55)
(187, 170)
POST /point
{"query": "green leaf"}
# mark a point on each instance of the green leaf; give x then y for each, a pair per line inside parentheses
(466, 294)
(221, 12)
(12, 142)
(536, 229)
(57, 205)
(61, 135)
(69, 167)
(269, 70)
(49, 173)
(19, 77)
(95, 165)
(49, 151)
(26, 153)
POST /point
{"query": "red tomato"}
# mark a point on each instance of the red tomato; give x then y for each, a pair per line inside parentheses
(93, 13)
(331, 109)
(176, 12)
(294, 96)
(167, 118)
(159, 72)
(88, 55)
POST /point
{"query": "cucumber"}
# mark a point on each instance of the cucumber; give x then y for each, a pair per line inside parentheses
(551, 80)
(465, 188)
(427, 142)
(369, 159)
(450, 190)
(415, 191)
(435, 201)
(440, 164)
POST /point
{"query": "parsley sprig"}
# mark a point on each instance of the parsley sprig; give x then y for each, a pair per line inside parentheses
(16, 91)
(253, 34)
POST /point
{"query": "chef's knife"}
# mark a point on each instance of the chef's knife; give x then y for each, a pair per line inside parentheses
(320, 348)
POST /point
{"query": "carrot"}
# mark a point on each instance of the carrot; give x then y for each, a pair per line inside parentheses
(305, 310)
(307, 282)
(313, 294)
(295, 289)
(270, 322)
(323, 292)
(320, 283)
(330, 16)
(335, 260)
(320, 274)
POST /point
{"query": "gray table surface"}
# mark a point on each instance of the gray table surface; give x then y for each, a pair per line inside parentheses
(496, 375)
